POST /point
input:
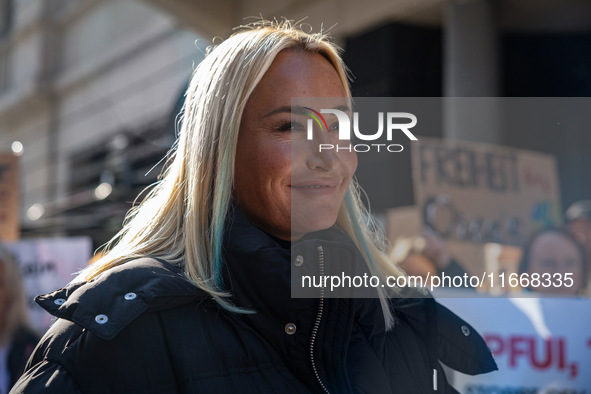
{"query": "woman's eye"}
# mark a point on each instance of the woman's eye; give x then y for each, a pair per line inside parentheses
(291, 126)
(334, 126)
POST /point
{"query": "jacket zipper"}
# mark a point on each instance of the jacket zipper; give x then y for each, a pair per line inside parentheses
(318, 320)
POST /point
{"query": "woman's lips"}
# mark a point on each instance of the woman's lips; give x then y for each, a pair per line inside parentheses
(316, 187)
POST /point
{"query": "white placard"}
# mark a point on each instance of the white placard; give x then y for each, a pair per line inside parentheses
(47, 265)
(541, 345)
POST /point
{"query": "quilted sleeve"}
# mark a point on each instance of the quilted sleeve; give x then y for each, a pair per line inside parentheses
(46, 377)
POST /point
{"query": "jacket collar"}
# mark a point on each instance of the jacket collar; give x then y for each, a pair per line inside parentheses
(257, 273)
(262, 275)
(108, 304)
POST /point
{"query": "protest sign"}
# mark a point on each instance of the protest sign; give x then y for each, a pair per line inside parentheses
(47, 265)
(541, 345)
(484, 193)
(472, 194)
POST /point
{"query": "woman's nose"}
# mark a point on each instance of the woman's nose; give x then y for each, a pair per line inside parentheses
(326, 154)
(323, 160)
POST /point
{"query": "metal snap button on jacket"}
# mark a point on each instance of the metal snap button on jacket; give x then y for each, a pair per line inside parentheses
(130, 296)
(299, 260)
(290, 328)
(465, 330)
(101, 319)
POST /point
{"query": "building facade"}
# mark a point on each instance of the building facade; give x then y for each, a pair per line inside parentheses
(88, 89)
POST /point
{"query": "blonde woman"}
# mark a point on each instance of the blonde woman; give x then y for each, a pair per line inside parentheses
(194, 295)
(17, 337)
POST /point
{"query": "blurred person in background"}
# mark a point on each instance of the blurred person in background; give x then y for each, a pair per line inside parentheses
(429, 256)
(417, 264)
(437, 250)
(17, 337)
(194, 294)
(578, 222)
(550, 254)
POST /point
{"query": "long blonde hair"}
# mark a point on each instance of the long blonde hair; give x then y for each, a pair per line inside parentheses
(181, 220)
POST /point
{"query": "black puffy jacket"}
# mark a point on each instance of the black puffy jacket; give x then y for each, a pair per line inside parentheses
(143, 328)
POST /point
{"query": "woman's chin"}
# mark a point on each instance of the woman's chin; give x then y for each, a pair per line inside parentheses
(311, 223)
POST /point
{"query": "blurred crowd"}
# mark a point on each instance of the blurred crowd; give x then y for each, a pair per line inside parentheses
(551, 250)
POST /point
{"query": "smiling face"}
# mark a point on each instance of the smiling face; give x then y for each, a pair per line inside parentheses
(552, 253)
(282, 182)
